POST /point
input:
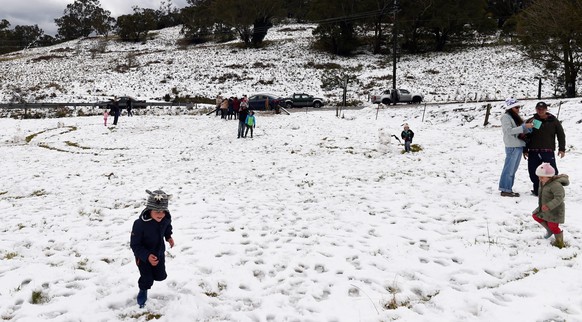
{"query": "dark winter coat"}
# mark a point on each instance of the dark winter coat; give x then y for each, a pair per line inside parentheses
(407, 135)
(552, 195)
(242, 115)
(148, 236)
(545, 136)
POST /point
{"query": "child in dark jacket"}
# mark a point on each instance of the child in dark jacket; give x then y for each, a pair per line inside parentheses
(149, 231)
(407, 136)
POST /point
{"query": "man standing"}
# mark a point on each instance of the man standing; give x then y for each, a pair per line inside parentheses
(242, 117)
(542, 142)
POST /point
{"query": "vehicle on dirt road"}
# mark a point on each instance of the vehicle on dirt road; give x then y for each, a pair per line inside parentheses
(399, 95)
(303, 100)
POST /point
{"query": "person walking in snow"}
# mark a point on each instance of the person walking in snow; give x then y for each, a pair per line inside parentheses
(542, 142)
(250, 123)
(514, 129)
(407, 136)
(105, 116)
(551, 210)
(149, 231)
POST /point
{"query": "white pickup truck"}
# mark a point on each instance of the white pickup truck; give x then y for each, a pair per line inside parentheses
(401, 96)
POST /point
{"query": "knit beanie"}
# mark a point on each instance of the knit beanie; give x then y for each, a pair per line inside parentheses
(158, 200)
(545, 170)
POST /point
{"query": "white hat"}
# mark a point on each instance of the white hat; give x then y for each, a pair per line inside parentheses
(512, 102)
(545, 170)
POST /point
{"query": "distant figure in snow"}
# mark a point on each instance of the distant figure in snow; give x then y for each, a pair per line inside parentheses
(147, 242)
(105, 116)
(115, 110)
(407, 136)
(218, 102)
(250, 123)
(551, 210)
(129, 112)
(224, 108)
(242, 117)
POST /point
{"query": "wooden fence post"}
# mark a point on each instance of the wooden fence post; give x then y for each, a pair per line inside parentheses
(487, 115)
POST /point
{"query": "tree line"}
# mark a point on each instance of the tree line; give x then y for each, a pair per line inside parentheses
(547, 31)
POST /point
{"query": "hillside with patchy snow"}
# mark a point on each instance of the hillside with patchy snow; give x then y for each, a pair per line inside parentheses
(91, 69)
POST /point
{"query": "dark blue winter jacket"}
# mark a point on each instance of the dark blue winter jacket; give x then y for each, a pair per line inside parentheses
(148, 236)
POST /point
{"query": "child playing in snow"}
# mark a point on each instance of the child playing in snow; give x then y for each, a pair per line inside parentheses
(250, 123)
(407, 136)
(551, 209)
(147, 242)
(105, 116)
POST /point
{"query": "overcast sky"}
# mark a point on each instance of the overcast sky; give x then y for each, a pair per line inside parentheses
(44, 12)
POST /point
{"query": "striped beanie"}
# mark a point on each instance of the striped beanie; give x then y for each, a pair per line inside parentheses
(158, 200)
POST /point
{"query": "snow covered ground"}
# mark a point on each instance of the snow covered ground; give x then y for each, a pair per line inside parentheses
(311, 220)
(314, 219)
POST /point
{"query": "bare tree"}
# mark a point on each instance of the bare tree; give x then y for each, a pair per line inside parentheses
(550, 32)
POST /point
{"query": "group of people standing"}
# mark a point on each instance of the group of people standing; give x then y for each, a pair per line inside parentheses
(232, 107)
(535, 140)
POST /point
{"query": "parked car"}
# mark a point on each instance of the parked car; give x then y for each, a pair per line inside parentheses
(303, 100)
(123, 102)
(259, 101)
(401, 95)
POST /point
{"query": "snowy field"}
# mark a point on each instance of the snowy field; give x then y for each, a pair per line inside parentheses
(314, 219)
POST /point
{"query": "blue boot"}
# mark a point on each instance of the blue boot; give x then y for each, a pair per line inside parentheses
(142, 297)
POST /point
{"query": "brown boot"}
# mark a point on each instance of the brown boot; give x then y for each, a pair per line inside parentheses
(559, 240)
(549, 233)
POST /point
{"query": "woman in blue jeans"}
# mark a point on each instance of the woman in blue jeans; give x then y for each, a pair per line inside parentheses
(513, 129)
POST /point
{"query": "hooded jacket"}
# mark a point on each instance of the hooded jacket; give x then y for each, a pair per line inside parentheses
(148, 235)
(552, 195)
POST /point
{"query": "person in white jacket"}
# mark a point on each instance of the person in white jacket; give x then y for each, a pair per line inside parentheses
(514, 130)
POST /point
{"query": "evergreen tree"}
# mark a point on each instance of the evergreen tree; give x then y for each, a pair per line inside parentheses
(135, 27)
(81, 18)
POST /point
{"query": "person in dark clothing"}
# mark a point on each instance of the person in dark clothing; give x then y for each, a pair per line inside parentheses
(242, 117)
(541, 143)
(149, 231)
(129, 112)
(407, 136)
(115, 111)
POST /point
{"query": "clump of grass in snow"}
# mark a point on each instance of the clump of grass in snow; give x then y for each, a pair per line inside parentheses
(38, 297)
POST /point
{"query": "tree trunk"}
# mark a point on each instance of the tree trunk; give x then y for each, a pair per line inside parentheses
(570, 74)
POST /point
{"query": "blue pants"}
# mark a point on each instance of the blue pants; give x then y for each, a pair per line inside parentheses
(512, 159)
(534, 159)
(407, 146)
(241, 128)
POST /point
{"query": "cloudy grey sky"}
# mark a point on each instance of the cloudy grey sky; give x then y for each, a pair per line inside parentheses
(44, 12)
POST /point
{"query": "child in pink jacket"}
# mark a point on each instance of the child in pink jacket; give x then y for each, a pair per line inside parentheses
(105, 116)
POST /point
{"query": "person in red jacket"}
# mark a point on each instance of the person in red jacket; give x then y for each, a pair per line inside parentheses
(149, 231)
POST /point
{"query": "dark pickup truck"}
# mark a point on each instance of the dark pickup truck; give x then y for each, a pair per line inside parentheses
(303, 100)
